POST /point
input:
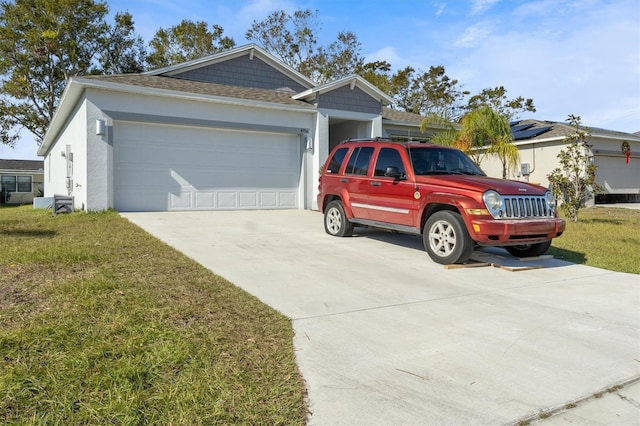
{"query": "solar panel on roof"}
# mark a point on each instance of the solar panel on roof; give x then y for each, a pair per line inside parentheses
(530, 133)
(520, 127)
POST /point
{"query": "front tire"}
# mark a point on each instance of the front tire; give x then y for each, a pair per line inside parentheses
(335, 220)
(529, 250)
(446, 239)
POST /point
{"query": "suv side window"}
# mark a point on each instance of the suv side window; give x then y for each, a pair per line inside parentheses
(388, 157)
(336, 160)
(359, 161)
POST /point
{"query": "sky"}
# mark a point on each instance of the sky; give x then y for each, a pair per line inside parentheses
(579, 57)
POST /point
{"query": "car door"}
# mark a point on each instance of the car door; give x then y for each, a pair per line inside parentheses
(356, 182)
(391, 199)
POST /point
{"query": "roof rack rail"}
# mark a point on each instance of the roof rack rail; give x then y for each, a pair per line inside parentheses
(382, 139)
(377, 138)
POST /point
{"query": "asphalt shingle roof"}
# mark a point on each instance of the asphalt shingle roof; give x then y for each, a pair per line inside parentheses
(22, 165)
(408, 117)
(200, 88)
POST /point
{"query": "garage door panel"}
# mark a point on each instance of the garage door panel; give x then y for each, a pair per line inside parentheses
(151, 200)
(178, 168)
(616, 176)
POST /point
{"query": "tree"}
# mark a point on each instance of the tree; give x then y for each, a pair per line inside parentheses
(575, 180)
(185, 41)
(507, 153)
(496, 98)
(42, 43)
(376, 73)
(122, 50)
(481, 132)
(292, 38)
(45, 42)
(289, 37)
(427, 93)
(339, 59)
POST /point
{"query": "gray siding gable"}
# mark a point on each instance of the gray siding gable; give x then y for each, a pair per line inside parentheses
(244, 72)
(345, 99)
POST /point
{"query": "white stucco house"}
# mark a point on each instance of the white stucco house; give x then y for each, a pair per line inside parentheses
(235, 130)
(20, 181)
(617, 155)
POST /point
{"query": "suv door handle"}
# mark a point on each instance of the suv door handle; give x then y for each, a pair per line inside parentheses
(344, 180)
(376, 183)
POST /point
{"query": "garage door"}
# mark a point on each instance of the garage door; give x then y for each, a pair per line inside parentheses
(159, 167)
(616, 176)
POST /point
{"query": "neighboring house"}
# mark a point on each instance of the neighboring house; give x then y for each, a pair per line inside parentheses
(540, 142)
(235, 130)
(20, 181)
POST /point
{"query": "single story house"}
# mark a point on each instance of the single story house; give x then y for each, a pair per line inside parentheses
(235, 130)
(617, 155)
(21, 181)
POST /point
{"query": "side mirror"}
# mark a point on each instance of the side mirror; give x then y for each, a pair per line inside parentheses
(393, 172)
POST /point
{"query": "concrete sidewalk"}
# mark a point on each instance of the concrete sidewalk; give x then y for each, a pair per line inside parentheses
(385, 336)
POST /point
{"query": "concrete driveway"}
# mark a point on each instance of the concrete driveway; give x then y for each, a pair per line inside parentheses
(385, 336)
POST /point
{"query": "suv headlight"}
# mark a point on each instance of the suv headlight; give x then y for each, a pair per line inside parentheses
(493, 202)
(551, 201)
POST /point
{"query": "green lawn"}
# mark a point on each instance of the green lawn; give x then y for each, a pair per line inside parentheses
(603, 237)
(101, 323)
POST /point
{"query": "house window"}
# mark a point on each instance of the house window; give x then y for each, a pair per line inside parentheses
(24, 183)
(16, 183)
(9, 183)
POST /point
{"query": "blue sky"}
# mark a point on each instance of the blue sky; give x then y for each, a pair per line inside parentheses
(578, 57)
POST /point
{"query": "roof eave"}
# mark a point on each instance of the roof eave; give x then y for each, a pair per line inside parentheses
(128, 88)
(353, 80)
(72, 92)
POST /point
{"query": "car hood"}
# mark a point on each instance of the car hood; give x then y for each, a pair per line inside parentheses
(482, 184)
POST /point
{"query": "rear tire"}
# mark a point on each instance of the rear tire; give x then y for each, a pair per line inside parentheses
(529, 250)
(446, 239)
(335, 220)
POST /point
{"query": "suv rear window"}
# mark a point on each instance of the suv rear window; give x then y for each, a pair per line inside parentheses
(336, 160)
(359, 161)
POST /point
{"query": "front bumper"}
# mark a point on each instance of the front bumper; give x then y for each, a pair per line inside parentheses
(491, 232)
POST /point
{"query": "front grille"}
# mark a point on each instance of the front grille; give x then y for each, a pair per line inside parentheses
(523, 207)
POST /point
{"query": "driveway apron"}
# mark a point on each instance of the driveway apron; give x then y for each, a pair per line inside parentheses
(385, 336)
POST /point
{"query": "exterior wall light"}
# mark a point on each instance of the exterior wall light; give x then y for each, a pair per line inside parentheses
(100, 127)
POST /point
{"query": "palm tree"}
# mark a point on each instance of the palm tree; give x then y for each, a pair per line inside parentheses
(507, 153)
(481, 132)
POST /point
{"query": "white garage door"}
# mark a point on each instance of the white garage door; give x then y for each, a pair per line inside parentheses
(159, 167)
(616, 176)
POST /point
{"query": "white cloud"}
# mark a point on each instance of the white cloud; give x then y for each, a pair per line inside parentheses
(479, 6)
(588, 66)
(473, 35)
(387, 53)
(439, 7)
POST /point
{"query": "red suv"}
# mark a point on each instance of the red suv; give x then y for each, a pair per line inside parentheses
(437, 192)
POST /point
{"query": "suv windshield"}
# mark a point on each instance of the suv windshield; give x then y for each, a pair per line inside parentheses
(429, 161)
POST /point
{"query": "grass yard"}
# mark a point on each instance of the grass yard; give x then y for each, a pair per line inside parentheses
(603, 237)
(101, 323)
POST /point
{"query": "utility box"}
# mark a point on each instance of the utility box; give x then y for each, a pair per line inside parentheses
(62, 204)
(525, 169)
